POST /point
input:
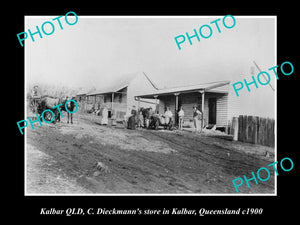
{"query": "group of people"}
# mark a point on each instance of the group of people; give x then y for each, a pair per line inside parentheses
(197, 118)
(103, 111)
(142, 119)
(138, 117)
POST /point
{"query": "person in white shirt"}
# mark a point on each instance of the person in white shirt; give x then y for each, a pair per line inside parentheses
(196, 115)
(168, 115)
(104, 120)
(180, 117)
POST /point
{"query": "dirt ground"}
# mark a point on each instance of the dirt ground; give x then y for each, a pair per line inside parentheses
(62, 158)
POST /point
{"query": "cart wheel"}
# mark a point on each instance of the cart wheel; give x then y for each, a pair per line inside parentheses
(33, 107)
(170, 126)
(48, 116)
(156, 124)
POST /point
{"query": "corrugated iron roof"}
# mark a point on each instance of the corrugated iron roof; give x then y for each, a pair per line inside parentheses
(120, 84)
(190, 88)
(86, 91)
(116, 85)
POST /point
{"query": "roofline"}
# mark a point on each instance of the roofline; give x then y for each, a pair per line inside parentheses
(213, 82)
(107, 92)
(218, 85)
(221, 83)
(112, 91)
(100, 93)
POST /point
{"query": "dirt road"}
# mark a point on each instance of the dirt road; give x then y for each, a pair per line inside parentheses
(61, 158)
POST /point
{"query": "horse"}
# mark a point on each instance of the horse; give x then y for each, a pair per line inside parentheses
(48, 102)
(147, 114)
(154, 122)
(70, 107)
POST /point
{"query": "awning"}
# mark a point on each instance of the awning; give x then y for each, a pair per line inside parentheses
(215, 87)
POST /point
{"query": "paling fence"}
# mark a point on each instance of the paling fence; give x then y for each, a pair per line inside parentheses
(254, 129)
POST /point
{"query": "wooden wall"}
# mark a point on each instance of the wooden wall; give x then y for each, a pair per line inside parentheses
(222, 110)
(97, 101)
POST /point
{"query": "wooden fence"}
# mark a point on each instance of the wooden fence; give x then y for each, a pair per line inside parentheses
(254, 129)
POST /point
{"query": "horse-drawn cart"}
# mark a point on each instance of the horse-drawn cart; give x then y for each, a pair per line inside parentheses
(37, 105)
(160, 120)
(48, 107)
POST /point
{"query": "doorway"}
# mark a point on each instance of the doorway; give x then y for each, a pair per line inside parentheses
(212, 110)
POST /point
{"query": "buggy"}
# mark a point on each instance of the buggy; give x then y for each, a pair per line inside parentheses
(37, 106)
(157, 121)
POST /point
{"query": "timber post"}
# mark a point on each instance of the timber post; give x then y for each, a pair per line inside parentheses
(176, 108)
(155, 96)
(202, 107)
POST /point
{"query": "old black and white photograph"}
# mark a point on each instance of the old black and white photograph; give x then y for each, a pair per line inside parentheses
(151, 105)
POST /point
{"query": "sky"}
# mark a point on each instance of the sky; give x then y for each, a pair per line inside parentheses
(97, 50)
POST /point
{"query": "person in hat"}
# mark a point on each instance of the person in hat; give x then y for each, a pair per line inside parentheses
(196, 115)
(133, 111)
(34, 98)
(34, 91)
(132, 120)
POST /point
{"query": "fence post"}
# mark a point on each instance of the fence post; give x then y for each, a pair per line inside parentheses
(270, 133)
(273, 134)
(262, 131)
(255, 129)
(240, 128)
(235, 128)
(245, 128)
(249, 129)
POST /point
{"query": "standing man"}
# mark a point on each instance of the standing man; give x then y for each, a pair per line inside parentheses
(34, 96)
(180, 117)
(34, 91)
(196, 115)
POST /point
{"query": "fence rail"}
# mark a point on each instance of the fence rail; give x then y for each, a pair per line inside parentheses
(254, 129)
